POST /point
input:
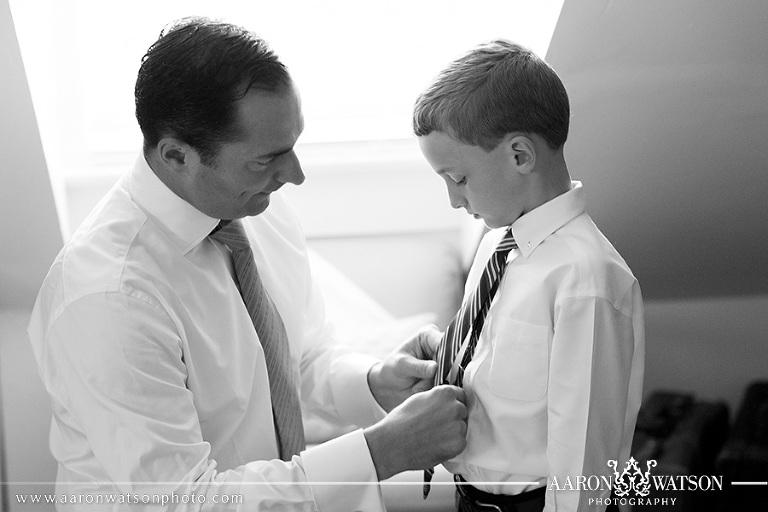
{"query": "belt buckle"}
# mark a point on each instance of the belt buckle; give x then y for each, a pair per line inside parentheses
(479, 505)
(486, 506)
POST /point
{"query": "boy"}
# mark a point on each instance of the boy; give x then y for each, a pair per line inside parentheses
(551, 350)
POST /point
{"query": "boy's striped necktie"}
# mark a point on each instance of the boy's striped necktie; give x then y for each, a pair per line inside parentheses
(464, 330)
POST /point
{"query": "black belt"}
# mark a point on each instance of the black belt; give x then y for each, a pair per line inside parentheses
(498, 500)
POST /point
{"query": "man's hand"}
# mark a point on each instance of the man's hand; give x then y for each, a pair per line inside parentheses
(423, 431)
(407, 370)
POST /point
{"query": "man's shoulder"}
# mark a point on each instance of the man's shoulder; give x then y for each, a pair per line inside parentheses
(93, 260)
(91, 263)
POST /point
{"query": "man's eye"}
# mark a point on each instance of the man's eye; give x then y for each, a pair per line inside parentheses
(460, 181)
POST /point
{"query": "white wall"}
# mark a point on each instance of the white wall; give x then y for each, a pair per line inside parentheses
(711, 347)
(30, 226)
(31, 237)
(26, 411)
(669, 130)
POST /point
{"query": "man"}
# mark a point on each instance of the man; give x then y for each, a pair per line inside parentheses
(174, 368)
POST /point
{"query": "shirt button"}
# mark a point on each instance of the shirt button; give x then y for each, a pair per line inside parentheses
(529, 245)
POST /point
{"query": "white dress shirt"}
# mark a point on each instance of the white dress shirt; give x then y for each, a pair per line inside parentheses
(156, 375)
(556, 380)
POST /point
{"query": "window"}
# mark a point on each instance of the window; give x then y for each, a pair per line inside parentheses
(370, 200)
(358, 65)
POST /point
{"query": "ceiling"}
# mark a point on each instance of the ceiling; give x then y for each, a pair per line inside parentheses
(669, 133)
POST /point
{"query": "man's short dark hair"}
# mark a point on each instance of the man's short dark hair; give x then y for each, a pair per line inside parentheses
(191, 78)
(495, 89)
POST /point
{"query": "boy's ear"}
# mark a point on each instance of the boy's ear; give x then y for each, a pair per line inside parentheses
(522, 152)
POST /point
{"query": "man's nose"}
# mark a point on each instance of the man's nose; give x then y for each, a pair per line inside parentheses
(292, 171)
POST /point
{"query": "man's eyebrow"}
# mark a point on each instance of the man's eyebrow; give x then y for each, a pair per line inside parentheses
(276, 153)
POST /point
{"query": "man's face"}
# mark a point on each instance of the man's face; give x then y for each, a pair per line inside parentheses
(262, 159)
(484, 183)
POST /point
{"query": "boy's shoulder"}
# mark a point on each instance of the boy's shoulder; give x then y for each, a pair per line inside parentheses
(589, 264)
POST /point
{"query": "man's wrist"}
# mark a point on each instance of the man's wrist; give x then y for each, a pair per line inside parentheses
(385, 396)
(373, 378)
(381, 451)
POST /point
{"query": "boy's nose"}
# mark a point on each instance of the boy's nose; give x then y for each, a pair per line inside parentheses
(456, 199)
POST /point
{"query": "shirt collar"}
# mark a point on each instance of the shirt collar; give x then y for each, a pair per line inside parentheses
(534, 227)
(185, 225)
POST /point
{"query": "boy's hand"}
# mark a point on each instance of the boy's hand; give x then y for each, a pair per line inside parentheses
(406, 371)
(425, 430)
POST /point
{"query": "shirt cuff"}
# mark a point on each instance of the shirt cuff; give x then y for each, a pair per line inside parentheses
(345, 460)
(351, 392)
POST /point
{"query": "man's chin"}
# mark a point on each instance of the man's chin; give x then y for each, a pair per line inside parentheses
(257, 205)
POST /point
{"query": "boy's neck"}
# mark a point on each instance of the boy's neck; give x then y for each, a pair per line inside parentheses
(551, 179)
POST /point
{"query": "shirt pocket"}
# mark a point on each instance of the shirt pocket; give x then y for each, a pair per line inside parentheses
(519, 361)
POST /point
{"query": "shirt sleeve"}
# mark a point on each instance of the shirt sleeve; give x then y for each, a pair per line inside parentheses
(114, 366)
(590, 367)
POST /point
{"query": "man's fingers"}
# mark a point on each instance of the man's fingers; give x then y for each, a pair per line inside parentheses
(461, 395)
(420, 386)
(420, 368)
(458, 392)
(429, 338)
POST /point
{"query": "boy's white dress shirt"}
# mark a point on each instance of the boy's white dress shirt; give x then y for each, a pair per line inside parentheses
(556, 381)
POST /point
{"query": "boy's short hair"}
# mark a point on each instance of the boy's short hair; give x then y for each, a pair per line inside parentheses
(497, 88)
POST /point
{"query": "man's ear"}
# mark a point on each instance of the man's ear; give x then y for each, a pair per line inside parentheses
(174, 154)
(522, 152)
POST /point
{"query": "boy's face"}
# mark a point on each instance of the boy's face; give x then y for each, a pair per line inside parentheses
(486, 184)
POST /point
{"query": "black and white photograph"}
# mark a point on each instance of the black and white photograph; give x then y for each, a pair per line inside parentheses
(401, 256)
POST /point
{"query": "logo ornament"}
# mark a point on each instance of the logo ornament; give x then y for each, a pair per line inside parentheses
(632, 478)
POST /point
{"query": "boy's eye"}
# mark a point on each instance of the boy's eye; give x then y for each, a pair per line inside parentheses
(459, 180)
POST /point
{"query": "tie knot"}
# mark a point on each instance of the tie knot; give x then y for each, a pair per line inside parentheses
(507, 242)
(232, 234)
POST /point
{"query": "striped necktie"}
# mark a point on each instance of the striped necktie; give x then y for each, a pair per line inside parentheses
(274, 340)
(464, 330)
(470, 318)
